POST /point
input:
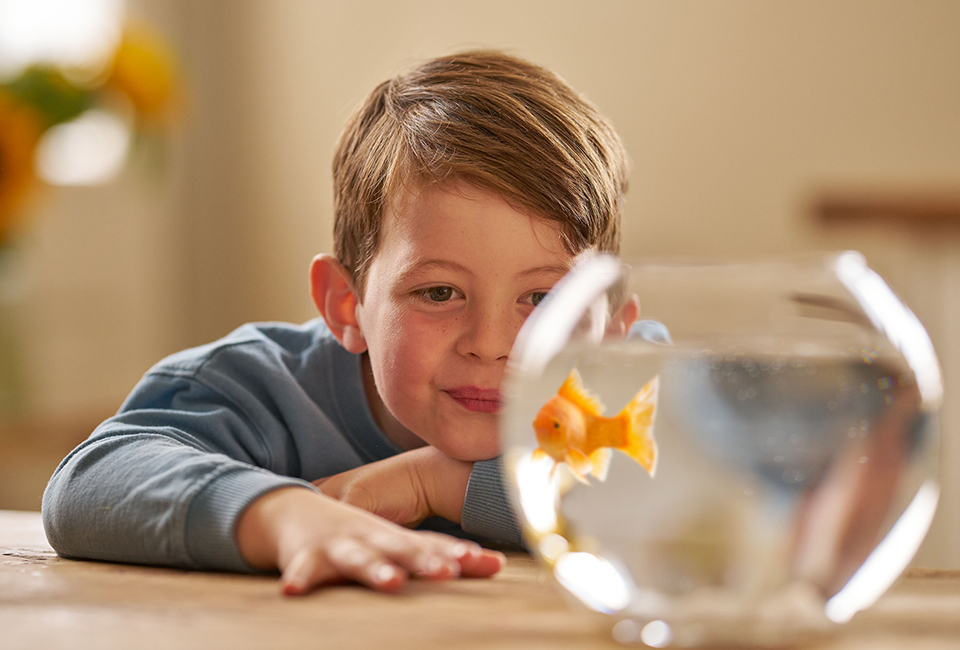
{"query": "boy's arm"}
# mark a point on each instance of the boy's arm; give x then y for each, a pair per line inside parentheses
(166, 480)
(314, 539)
(487, 508)
(406, 488)
(414, 485)
(170, 485)
(150, 493)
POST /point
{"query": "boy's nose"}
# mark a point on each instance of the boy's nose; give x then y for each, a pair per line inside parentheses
(488, 336)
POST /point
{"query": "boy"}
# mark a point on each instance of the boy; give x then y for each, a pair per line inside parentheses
(464, 190)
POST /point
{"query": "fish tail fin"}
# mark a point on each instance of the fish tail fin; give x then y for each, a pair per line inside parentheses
(639, 417)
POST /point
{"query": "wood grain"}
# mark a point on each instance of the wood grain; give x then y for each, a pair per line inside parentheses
(50, 602)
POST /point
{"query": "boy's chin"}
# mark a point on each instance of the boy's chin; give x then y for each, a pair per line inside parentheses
(481, 450)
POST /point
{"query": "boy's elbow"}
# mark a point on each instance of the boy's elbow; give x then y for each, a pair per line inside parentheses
(55, 510)
(67, 511)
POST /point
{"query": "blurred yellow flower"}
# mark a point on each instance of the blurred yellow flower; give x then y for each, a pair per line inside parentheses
(20, 129)
(144, 68)
(43, 98)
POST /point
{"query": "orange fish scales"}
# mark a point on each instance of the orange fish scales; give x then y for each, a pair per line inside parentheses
(606, 432)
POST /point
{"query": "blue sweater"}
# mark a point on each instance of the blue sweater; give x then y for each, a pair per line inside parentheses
(209, 430)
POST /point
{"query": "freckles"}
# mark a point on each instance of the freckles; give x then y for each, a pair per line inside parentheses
(445, 329)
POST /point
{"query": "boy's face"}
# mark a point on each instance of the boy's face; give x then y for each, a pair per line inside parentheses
(457, 272)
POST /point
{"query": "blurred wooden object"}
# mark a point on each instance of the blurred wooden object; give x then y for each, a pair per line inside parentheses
(914, 208)
(49, 602)
(920, 224)
(31, 449)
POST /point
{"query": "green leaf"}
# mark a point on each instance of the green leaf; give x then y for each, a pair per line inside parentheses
(54, 98)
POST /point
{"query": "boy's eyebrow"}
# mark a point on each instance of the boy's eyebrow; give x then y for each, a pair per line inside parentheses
(558, 269)
(450, 265)
(430, 264)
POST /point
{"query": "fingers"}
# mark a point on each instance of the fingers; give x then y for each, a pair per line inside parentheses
(476, 561)
(382, 562)
(305, 571)
(344, 558)
(387, 567)
(347, 543)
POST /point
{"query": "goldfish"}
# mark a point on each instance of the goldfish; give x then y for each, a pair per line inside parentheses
(571, 429)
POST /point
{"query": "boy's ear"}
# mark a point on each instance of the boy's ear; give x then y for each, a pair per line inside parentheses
(625, 317)
(333, 294)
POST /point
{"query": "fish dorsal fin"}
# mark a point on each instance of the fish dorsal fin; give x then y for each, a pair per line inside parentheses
(573, 390)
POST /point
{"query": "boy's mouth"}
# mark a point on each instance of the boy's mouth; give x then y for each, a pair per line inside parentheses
(482, 400)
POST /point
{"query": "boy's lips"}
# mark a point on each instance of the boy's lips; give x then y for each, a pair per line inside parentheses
(483, 400)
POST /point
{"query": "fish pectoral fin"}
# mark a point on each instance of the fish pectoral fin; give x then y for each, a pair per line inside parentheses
(600, 462)
(579, 465)
(639, 415)
(538, 454)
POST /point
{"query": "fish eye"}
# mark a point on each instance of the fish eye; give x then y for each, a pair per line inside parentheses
(556, 425)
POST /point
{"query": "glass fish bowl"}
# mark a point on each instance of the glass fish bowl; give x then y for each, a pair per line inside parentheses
(719, 454)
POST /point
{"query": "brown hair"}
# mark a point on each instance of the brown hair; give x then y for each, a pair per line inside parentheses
(488, 119)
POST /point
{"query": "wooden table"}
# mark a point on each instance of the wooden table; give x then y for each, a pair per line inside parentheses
(49, 602)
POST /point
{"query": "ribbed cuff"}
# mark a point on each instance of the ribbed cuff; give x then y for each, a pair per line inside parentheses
(212, 518)
(486, 508)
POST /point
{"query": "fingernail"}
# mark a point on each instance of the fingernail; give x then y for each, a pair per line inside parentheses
(294, 587)
(384, 573)
(459, 550)
(433, 565)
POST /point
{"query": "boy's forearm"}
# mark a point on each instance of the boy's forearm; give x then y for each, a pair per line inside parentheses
(257, 531)
(406, 488)
(313, 539)
(104, 502)
(487, 511)
(444, 482)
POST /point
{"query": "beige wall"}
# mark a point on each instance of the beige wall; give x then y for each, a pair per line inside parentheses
(735, 113)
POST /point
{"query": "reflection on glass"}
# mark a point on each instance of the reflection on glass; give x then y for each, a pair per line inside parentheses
(795, 440)
(593, 580)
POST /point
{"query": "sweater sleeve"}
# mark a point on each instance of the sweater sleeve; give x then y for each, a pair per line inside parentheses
(210, 430)
(165, 480)
(487, 510)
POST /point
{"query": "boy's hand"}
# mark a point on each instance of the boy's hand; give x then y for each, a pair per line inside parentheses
(313, 539)
(406, 488)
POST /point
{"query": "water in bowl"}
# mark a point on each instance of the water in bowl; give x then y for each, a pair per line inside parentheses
(789, 474)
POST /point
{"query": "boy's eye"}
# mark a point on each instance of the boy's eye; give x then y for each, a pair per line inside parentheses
(536, 297)
(439, 294)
